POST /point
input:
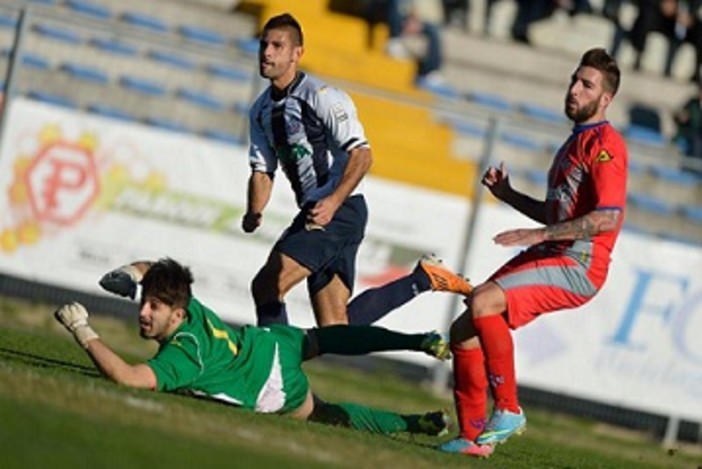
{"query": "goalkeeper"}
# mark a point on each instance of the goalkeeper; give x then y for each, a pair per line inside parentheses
(255, 368)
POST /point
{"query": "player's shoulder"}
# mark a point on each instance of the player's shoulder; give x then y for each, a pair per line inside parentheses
(602, 134)
(258, 104)
(610, 132)
(316, 91)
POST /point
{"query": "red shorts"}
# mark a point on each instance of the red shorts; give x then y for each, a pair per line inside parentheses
(536, 282)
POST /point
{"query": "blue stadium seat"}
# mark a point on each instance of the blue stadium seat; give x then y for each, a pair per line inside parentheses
(168, 124)
(35, 61)
(225, 137)
(85, 72)
(536, 111)
(537, 177)
(111, 111)
(57, 33)
(52, 98)
(438, 88)
(143, 21)
(645, 135)
(8, 21)
(201, 98)
(644, 115)
(692, 213)
(674, 175)
(489, 100)
(467, 128)
(650, 203)
(143, 85)
(86, 8)
(113, 46)
(636, 166)
(202, 35)
(249, 46)
(228, 72)
(172, 59)
(525, 142)
(241, 107)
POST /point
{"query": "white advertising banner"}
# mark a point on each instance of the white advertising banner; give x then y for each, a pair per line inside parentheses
(80, 195)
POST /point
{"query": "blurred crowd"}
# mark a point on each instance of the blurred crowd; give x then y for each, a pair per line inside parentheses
(413, 36)
(678, 21)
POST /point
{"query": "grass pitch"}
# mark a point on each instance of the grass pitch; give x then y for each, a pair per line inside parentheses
(56, 409)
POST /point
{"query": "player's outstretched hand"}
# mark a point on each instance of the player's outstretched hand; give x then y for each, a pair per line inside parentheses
(122, 281)
(74, 317)
(497, 181)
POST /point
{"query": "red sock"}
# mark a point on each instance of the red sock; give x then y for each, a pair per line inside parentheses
(469, 390)
(496, 342)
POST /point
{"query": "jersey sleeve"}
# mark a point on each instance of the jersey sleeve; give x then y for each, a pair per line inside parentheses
(262, 157)
(608, 166)
(336, 109)
(178, 363)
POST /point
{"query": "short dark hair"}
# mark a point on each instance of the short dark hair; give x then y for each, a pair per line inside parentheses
(599, 59)
(285, 20)
(168, 281)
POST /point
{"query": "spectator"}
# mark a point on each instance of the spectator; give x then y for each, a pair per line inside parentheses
(688, 119)
(677, 20)
(531, 11)
(455, 12)
(404, 25)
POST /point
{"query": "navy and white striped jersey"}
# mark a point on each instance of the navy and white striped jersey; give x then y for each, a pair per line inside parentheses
(309, 130)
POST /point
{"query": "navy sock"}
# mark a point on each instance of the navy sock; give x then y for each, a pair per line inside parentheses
(273, 312)
(375, 303)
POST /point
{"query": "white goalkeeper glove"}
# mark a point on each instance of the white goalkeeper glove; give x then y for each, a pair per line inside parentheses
(122, 281)
(74, 318)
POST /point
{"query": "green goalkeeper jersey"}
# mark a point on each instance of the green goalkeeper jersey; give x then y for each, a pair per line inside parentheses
(257, 368)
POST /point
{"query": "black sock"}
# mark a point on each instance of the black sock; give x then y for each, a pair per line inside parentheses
(273, 312)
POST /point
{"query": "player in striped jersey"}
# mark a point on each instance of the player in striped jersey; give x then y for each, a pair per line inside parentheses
(312, 132)
(564, 265)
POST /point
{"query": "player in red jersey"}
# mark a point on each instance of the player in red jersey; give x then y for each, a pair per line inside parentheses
(564, 265)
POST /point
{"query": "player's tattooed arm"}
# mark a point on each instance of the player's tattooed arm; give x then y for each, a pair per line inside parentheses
(595, 222)
(584, 227)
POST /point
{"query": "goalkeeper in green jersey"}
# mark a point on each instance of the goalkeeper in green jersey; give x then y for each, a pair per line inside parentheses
(255, 368)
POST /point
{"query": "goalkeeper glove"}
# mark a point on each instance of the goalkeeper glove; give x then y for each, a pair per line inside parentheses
(74, 318)
(122, 281)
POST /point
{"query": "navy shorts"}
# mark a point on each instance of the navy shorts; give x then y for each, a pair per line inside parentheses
(329, 251)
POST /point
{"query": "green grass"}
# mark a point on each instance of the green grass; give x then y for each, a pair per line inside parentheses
(56, 409)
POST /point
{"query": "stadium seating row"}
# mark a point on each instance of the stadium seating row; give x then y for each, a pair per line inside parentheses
(176, 21)
(106, 70)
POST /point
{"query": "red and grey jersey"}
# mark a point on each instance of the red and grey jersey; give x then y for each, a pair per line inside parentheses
(309, 129)
(588, 173)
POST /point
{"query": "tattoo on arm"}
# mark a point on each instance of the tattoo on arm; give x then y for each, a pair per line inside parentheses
(584, 227)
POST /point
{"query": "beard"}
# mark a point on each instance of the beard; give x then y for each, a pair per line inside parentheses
(582, 114)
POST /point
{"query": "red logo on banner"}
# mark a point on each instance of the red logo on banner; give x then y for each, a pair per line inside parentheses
(62, 182)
